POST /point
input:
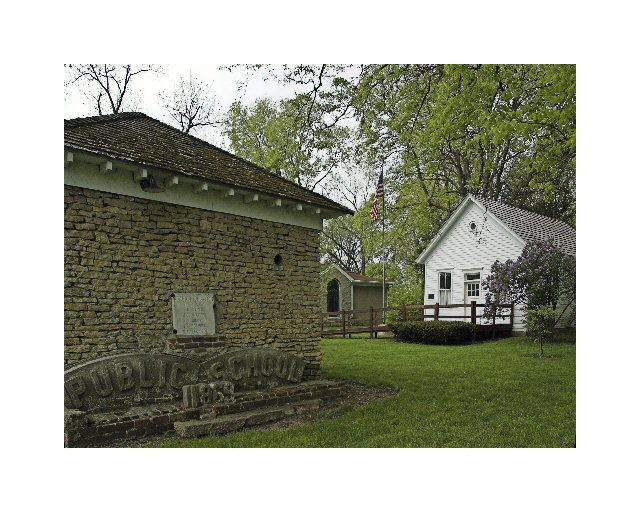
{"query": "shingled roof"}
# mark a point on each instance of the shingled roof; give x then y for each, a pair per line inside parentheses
(532, 227)
(138, 138)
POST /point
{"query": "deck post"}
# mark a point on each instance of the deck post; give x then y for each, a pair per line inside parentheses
(473, 318)
(513, 306)
(344, 326)
(371, 322)
(436, 310)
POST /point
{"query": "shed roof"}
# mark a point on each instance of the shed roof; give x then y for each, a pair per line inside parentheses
(360, 278)
(136, 137)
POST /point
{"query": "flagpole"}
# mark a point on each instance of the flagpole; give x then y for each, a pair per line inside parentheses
(384, 255)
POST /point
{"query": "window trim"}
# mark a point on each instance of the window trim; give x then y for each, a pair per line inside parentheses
(466, 282)
(450, 289)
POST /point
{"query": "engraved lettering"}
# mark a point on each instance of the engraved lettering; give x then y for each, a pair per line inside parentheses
(173, 377)
(235, 368)
(101, 382)
(281, 367)
(268, 365)
(146, 380)
(163, 374)
(252, 365)
(193, 314)
(189, 396)
(124, 376)
(293, 372)
(215, 370)
(74, 389)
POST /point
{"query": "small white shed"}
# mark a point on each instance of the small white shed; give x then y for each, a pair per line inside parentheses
(479, 232)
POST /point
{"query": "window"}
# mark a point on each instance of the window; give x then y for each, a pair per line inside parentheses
(472, 285)
(444, 295)
(333, 296)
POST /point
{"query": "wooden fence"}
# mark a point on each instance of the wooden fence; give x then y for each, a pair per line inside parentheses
(374, 320)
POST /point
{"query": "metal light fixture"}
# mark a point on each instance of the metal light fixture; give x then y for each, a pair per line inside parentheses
(149, 184)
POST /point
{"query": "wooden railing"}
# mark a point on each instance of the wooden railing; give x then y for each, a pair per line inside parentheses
(374, 320)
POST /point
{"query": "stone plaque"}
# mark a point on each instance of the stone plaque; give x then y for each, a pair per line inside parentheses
(193, 314)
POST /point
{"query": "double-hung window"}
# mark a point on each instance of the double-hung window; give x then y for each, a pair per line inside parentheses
(472, 285)
(444, 290)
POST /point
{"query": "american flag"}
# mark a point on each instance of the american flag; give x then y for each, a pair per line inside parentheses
(379, 195)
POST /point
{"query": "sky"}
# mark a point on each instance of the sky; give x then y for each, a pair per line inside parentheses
(226, 86)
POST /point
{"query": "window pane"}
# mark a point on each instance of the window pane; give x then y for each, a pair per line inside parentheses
(445, 280)
(472, 277)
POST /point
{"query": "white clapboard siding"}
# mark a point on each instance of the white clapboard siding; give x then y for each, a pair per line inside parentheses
(459, 250)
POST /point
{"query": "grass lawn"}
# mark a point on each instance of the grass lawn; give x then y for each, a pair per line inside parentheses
(492, 394)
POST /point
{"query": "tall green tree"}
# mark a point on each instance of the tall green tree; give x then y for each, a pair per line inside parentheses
(280, 137)
(504, 132)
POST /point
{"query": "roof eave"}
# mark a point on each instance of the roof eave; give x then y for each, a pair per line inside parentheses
(341, 210)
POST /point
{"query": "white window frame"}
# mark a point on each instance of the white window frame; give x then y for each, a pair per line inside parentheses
(441, 290)
(467, 282)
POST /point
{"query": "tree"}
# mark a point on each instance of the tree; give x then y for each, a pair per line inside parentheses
(504, 132)
(191, 105)
(354, 243)
(277, 136)
(539, 279)
(107, 85)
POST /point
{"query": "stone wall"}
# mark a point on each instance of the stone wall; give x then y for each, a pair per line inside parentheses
(125, 256)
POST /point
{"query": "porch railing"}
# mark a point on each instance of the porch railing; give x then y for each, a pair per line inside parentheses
(374, 320)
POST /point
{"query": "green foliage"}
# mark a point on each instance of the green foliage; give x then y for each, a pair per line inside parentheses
(539, 278)
(278, 137)
(501, 131)
(505, 132)
(398, 315)
(406, 293)
(540, 323)
(437, 332)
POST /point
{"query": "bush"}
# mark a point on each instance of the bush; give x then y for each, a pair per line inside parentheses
(540, 323)
(396, 315)
(437, 332)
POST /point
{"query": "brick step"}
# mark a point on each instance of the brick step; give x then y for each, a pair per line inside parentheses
(275, 397)
(221, 425)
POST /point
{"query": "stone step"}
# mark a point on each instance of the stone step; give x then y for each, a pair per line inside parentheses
(231, 422)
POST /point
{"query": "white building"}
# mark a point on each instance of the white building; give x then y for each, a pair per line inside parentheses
(479, 232)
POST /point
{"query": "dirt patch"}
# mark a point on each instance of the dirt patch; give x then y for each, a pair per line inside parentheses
(356, 395)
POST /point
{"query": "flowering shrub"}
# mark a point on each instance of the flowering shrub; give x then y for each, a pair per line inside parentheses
(537, 279)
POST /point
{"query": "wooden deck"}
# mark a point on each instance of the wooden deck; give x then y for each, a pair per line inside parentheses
(374, 320)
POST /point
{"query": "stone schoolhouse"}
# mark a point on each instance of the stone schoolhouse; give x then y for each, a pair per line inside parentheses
(175, 246)
(150, 211)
